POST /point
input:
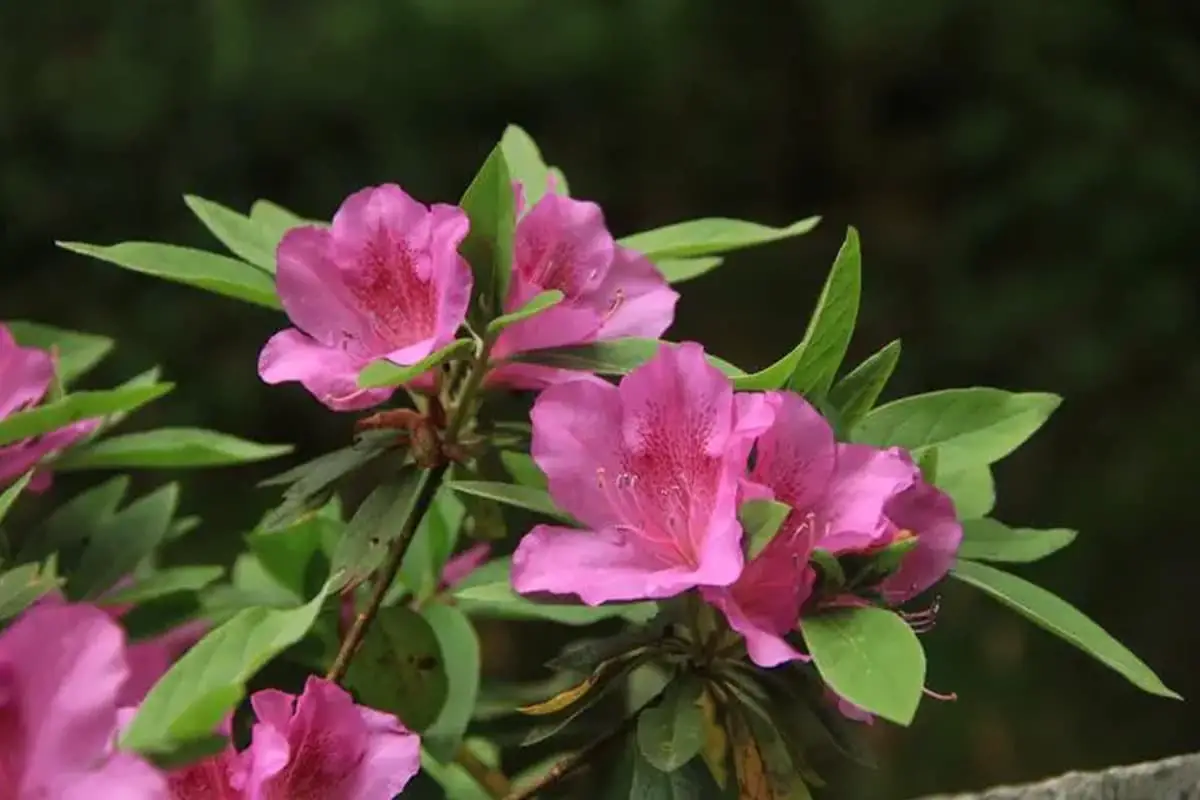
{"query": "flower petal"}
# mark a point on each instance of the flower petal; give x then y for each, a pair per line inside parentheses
(797, 456)
(313, 291)
(562, 244)
(929, 514)
(392, 757)
(637, 299)
(123, 775)
(26, 372)
(16, 459)
(329, 373)
(864, 480)
(765, 642)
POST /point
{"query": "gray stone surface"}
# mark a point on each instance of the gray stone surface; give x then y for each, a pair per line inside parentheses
(1171, 779)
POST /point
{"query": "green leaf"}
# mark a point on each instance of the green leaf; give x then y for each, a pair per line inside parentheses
(620, 356)
(871, 657)
(294, 556)
(489, 593)
(9, 496)
(460, 649)
(245, 238)
(989, 540)
(377, 521)
(526, 497)
(678, 270)
(384, 373)
(169, 448)
(73, 521)
(400, 668)
(76, 407)
(671, 733)
(432, 544)
(77, 352)
(210, 679)
(761, 520)
(970, 427)
(166, 582)
(187, 753)
(207, 271)
(491, 207)
(536, 305)
(972, 489)
(275, 220)
(832, 324)
(561, 710)
(523, 469)
(1063, 620)
(115, 549)
(928, 464)
(21, 586)
(855, 394)
(700, 237)
(525, 164)
(832, 575)
(644, 781)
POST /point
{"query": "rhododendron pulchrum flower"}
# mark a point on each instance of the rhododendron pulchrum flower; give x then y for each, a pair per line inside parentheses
(609, 291)
(927, 513)
(652, 467)
(25, 377)
(837, 493)
(317, 745)
(384, 281)
(62, 668)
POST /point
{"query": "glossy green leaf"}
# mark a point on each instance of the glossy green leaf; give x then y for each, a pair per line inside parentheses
(536, 305)
(431, 546)
(526, 497)
(972, 488)
(700, 237)
(165, 582)
(832, 323)
(871, 657)
(73, 521)
(385, 373)
(294, 556)
(620, 356)
(671, 733)
(208, 271)
(169, 448)
(115, 549)
(761, 520)
(558, 712)
(526, 165)
(75, 407)
(491, 207)
(245, 238)
(855, 394)
(638, 779)
(24, 584)
(523, 469)
(275, 220)
(77, 352)
(678, 270)
(400, 668)
(9, 495)
(1063, 620)
(970, 427)
(830, 569)
(210, 679)
(377, 521)
(460, 650)
(989, 540)
(928, 464)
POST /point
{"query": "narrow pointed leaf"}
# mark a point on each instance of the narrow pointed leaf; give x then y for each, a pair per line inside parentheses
(76, 352)
(491, 207)
(74, 520)
(385, 373)
(761, 520)
(973, 490)
(376, 523)
(671, 733)
(208, 271)
(275, 221)
(989, 540)
(246, 239)
(701, 237)
(1063, 620)
(169, 448)
(210, 679)
(525, 163)
(166, 582)
(21, 586)
(497, 599)
(9, 495)
(526, 497)
(855, 395)
(114, 550)
(460, 650)
(523, 469)
(832, 324)
(539, 303)
(76, 407)
(620, 356)
(871, 657)
(678, 270)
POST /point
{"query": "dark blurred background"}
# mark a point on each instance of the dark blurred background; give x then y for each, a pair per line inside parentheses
(1024, 174)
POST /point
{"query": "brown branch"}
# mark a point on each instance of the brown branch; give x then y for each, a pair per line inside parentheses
(569, 764)
(494, 782)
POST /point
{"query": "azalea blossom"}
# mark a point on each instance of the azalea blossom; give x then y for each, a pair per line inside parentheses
(320, 745)
(652, 468)
(384, 281)
(25, 377)
(837, 493)
(927, 513)
(62, 668)
(609, 291)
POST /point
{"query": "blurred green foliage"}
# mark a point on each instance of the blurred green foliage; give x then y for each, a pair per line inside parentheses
(1024, 176)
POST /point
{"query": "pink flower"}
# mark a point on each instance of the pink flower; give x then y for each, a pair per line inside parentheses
(25, 377)
(61, 670)
(610, 291)
(652, 468)
(462, 565)
(384, 281)
(219, 777)
(926, 512)
(837, 493)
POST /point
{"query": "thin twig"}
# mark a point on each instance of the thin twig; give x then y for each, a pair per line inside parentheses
(493, 781)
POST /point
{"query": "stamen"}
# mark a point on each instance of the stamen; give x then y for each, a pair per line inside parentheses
(951, 697)
(925, 620)
(618, 299)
